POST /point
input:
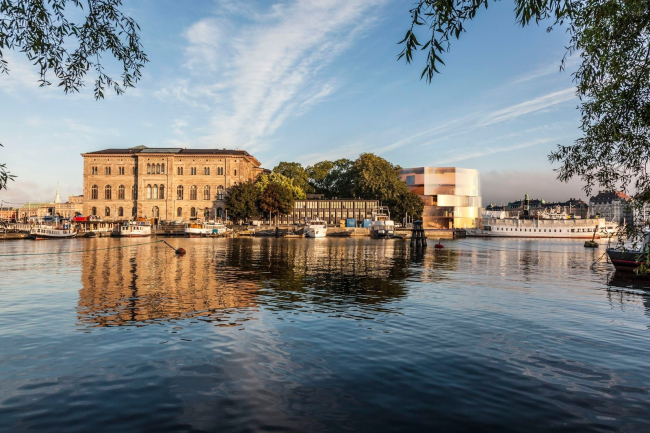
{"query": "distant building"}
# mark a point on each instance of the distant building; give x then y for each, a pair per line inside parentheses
(331, 211)
(573, 206)
(74, 206)
(452, 196)
(163, 183)
(612, 205)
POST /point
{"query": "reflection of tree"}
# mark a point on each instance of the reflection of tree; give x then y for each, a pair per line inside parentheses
(217, 280)
(333, 274)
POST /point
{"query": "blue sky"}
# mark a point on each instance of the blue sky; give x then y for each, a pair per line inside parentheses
(307, 80)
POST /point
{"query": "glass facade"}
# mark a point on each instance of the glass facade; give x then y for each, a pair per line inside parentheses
(452, 196)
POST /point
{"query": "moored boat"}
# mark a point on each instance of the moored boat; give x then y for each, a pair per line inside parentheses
(59, 231)
(316, 229)
(202, 229)
(132, 229)
(628, 259)
(381, 226)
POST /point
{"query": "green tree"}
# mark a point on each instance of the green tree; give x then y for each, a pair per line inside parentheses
(276, 199)
(317, 174)
(68, 50)
(4, 176)
(406, 203)
(296, 173)
(612, 80)
(265, 179)
(376, 178)
(242, 201)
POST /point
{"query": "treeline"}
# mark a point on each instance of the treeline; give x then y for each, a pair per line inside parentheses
(367, 177)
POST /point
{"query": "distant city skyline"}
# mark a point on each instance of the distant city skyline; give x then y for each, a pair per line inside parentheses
(305, 81)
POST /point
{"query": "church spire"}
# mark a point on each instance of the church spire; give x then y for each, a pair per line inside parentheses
(57, 199)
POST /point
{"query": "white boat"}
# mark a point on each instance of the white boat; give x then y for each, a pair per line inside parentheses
(137, 228)
(553, 223)
(316, 229)
(60, 231)
(381, 226)
(199, 229)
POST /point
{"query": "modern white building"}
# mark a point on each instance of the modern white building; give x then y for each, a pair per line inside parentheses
(452, 196)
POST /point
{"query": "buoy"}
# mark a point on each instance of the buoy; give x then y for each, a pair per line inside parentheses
(179, 251)
(438, 245)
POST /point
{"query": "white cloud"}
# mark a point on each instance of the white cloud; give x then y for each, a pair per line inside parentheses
(533, 105)
(272, 68)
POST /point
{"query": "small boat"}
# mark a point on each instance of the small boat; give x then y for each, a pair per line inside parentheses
(381, 226)
(625, 259)
(316, 229)
(131, 229)
(202, 229)
(60, 231)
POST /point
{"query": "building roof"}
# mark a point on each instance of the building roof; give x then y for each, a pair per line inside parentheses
(171, 150)
(610, 195)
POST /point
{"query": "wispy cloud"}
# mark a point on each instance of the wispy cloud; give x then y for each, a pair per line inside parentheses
(533, 105)
(272, 70)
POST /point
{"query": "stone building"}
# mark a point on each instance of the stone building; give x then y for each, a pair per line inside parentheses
(612, 205)
(163, 183)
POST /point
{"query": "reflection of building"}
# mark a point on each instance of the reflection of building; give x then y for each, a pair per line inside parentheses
(452, 196)
(611, 205)
(163, 183)
(145, 283)
(331, 211)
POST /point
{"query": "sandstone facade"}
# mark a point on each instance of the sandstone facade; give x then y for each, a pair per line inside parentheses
(163, 183)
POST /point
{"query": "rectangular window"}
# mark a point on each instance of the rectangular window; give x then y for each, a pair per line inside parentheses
(120, 170)
(179, 170)
(206, 170)
(107, 170)
(94, 170)
(192, 171)
(220, 171)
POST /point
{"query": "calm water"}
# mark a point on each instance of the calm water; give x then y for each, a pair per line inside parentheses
(319, 335)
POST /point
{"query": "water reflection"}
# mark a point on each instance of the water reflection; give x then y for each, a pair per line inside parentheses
(220, 279)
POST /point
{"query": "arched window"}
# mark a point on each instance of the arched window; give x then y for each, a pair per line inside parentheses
(134, 192)
(220, 192)
(93, 211)
(155, 191)
(219, 212)
(206, 213)
(155, 212)
(235, 172)
(162, 168)
(193, 192)
(107, 211)
(179, 212)
(94, 193)
(179, 192)
(148, 168)
(162, 191)
(107, 192)
(120, 211)
(206, 192)
(149, 191)
(157, 168)
(120, 192)
(193, 213)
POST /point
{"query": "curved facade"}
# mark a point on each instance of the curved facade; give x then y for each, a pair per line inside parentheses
(452, 196)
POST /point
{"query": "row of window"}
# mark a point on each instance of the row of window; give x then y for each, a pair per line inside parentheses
(108, 192)
(544, 230)
(154, 192)
(155, 212)
(120, 170)
(159, 169)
